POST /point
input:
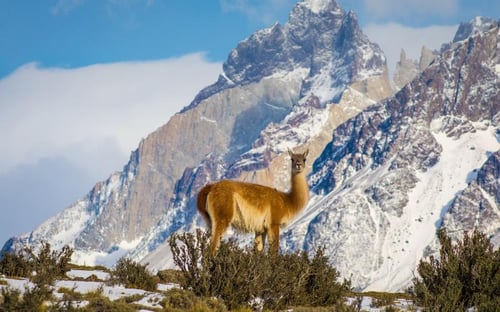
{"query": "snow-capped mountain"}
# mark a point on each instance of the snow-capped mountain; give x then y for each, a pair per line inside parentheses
(385, 172)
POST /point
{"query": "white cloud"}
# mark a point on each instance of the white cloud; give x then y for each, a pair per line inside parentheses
(72, 113)
(393, 37)
(405, 8)
(63, 130)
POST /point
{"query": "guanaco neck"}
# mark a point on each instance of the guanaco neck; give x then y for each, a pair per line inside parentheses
(299, 192)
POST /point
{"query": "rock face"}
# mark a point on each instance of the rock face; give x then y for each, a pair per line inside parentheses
(407, 69)
(477, 206)
(386, 171)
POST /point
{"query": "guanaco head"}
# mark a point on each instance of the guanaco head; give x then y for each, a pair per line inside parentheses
(298, 161)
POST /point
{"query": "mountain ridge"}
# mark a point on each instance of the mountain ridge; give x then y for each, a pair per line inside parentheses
(393, 145)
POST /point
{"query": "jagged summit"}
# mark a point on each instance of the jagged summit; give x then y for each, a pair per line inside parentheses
(407, 69)
(320, 6)
(478, 24)
(319, 36)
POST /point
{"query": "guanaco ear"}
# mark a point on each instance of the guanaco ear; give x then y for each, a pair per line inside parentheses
(290, 152)
(305, 153)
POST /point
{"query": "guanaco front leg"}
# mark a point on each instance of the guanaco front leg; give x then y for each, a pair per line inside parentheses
(274, 236)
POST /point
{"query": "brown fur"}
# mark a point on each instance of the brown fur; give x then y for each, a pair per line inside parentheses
(252, 207)
(201, 203)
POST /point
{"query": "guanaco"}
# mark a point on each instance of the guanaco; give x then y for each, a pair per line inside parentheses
(252, 207)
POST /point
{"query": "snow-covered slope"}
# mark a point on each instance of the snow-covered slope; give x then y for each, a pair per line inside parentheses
(388, 178)
(385, 220)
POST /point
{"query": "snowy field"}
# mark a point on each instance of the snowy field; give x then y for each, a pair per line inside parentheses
(150, 301)
(78, 283)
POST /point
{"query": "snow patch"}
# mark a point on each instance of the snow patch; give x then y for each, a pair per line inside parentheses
(428, 202)
(223, 74)
(318, 6)
(323, 83)
(207, 119)
(107, 259)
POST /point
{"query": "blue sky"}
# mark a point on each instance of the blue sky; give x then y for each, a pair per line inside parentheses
(82, 81)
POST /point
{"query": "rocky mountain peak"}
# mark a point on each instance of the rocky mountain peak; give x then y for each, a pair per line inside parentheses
(476, 25)
(407, 69)
(306, 41)
(320, 6)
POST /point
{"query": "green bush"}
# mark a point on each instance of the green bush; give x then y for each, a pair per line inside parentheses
(15, 265)
(240, 276)
(170, 276)
(177, 300)
(10, 299)
(42, 267)
(99, 302)
(466, 275)
(133, 275)
(48, 264)
(33, 299)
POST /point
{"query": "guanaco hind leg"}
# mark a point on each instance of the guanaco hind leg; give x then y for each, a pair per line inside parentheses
(260, 240)
(221, 215)
(218, 230)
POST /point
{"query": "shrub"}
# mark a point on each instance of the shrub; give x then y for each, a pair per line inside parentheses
(170, 276)
(466, 275)
(15, 265)
(42, 268)
(33, 299)
(240, 276)
(70, 295)
(185, 300)
(102, 303)
(133, 275)
(10, 299)
(48, 264)
(385, 299)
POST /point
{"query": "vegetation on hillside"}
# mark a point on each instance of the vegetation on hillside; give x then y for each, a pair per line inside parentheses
(466, 275)
(42, 267)
(132, 274)
(246, 278)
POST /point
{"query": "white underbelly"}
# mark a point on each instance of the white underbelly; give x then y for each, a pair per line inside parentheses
(249, 218)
